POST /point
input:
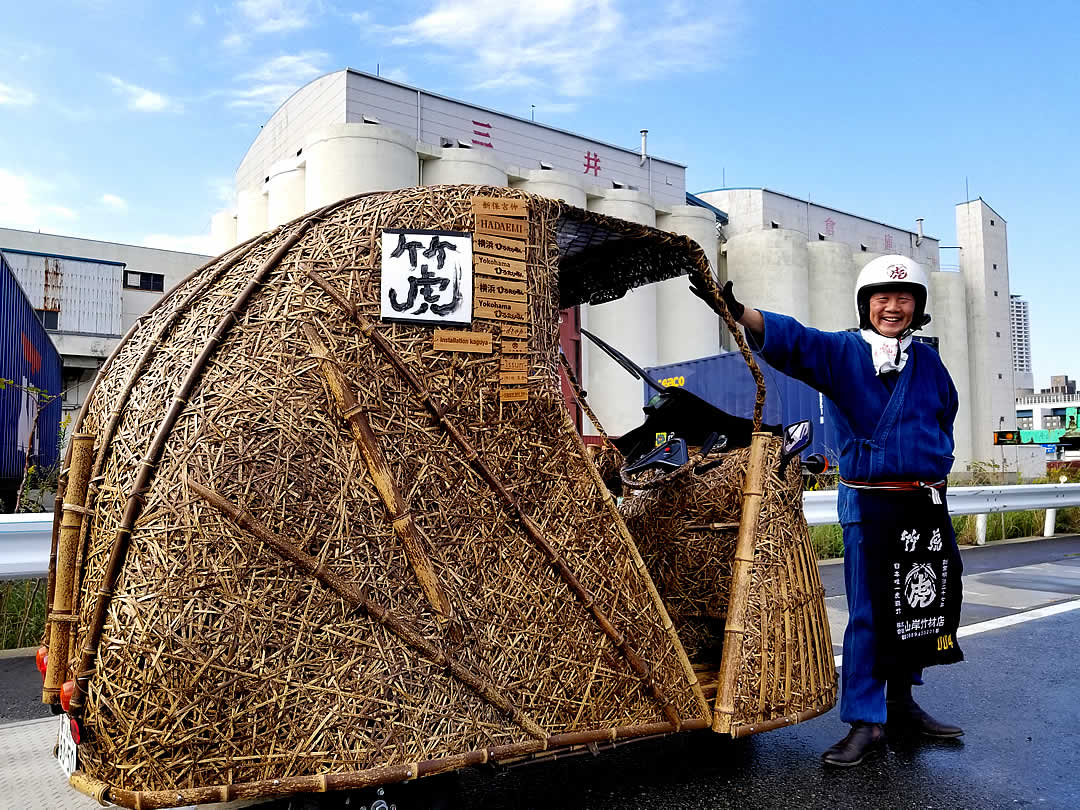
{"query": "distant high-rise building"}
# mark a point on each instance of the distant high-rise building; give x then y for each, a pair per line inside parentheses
(1021, 344)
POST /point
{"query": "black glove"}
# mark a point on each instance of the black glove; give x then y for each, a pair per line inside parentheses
(733, 306)
(731, 302)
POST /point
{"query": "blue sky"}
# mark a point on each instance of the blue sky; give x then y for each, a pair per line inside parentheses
(124, 121)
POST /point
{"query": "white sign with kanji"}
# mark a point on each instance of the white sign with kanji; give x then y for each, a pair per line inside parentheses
(427, 276)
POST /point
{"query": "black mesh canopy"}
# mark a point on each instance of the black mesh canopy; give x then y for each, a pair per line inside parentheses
(601, 257)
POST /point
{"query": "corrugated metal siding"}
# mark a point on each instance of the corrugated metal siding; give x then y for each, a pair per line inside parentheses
(28, 357)
(726, 382)
(87, 293)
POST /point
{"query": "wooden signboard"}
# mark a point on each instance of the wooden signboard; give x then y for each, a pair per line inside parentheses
(502, 226)
(499, 268)
(513, 364)
(513, 394)
(497, 310)
(499, 246)
(498, 288)
(454, 341)
(514, 346)
(515, 332)
(513, 378)
(503, 206)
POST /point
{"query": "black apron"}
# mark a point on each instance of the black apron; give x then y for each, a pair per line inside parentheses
(914, 569)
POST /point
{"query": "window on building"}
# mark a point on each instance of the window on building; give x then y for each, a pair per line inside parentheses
(995, 265)
(821, 237)
(995, 294)
(998, 334)
(774, 223)
(991, 223)
(49, 318)
(999, 376)
(862, 247)
(151, 282)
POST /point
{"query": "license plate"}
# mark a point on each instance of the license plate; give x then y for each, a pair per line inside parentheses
(66, 750)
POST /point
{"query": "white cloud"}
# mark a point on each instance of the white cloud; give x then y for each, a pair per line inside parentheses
(276, 16)
(114, 202)
(396, 75)
(15, 95)
(235, 42)
(139, 98)
(272, 82)
(25, 203)
(223, 190)
(196, 18)
(576, 47)
(203, 243)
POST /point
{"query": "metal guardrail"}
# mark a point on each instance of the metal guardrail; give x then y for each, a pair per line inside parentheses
(24, 545)
(820, 507)
(25, 539)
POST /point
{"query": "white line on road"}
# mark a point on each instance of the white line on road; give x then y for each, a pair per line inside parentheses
(1005, 621)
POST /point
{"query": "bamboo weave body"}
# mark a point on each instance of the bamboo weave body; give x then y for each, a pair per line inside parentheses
(222, 662)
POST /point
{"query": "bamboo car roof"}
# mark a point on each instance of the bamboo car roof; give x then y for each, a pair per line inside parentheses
(602, 257)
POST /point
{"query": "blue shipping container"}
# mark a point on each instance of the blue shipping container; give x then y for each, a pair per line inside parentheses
(725, 381)
(27, 358)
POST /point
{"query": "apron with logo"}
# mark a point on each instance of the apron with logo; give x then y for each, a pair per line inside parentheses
(915, 571)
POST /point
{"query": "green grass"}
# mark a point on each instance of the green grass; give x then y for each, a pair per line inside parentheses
(828, 541)
(22, 613)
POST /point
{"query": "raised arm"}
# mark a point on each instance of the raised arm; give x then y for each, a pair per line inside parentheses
(807, 354)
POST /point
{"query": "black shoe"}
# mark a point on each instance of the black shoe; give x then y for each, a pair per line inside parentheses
(863, 739)
(907, 715)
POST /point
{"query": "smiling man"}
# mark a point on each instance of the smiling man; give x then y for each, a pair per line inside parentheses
(893, 404)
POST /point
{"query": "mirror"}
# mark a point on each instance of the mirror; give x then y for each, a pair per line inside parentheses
(797, 437)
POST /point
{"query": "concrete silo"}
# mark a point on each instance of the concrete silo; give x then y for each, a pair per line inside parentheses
(347, 159)
(554, 184)
(223, 230)
(462, 165)
(285, 192)
(629, 324)
(685, 327)
(770, 270)
(831, 286)
(863, 258)
(250, 213)
(948, 310)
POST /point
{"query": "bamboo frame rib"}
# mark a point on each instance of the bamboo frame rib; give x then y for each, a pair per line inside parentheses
(355, 780)
(400, 514)
(356, 598)
(730, 664)
(60, 615)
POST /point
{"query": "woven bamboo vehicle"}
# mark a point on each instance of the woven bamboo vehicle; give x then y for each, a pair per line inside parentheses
(303, 548)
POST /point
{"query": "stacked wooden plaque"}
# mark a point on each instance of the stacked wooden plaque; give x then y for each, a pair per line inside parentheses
(500, 286)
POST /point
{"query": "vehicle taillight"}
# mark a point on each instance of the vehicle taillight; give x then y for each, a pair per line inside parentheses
(65, 694)
(76, 733)
(42, 659)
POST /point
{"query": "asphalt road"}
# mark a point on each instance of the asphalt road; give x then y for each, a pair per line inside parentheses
(1017, 695)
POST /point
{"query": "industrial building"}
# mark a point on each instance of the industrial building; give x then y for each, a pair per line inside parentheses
(349, 132)
(87, 294)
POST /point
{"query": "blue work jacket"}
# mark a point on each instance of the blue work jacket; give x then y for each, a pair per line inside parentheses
(901, 435)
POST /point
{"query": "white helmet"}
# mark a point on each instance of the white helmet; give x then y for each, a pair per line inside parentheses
(892, 273)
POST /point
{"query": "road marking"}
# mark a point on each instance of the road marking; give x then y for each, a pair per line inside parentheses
(1005, 621)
